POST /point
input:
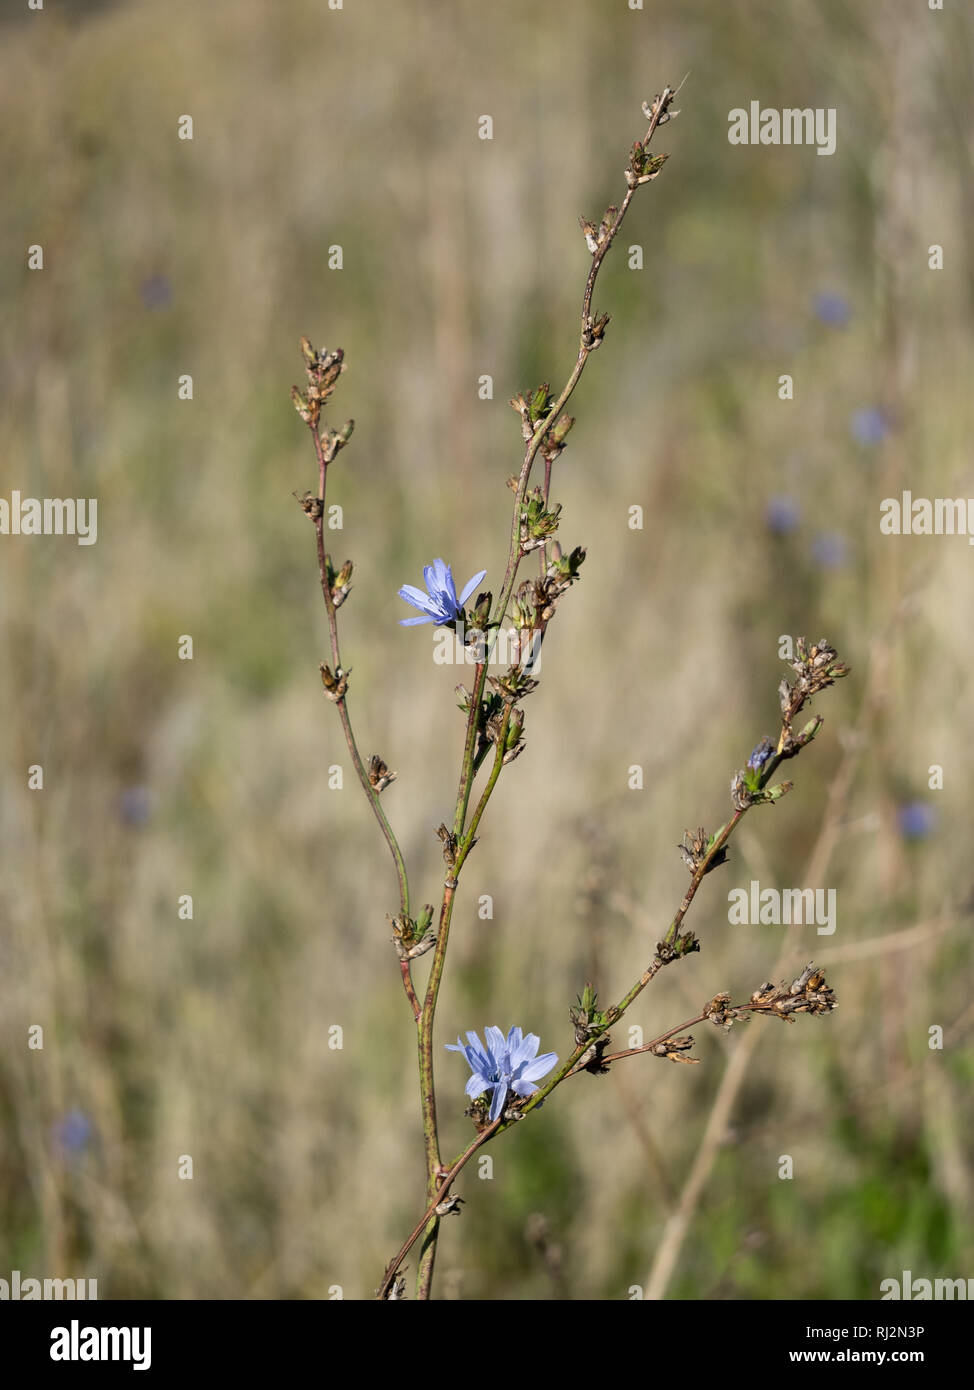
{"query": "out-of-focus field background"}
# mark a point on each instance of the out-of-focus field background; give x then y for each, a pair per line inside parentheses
(210, 1037)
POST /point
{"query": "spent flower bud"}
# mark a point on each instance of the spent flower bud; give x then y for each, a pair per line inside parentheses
(335, 683)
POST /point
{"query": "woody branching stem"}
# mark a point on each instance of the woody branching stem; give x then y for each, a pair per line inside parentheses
(323, 371)
(495, 722)
(539, 416)
(817, 668)
(464, 843)
(807, 994)
(642, 169)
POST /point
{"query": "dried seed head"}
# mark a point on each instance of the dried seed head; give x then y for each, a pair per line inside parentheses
(808, 994)
(379, 774)
(673, 1050)
(311, 505)
(740, 795)
(335, 683)
(449, 845)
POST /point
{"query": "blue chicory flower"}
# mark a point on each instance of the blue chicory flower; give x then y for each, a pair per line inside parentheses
(832, 308)
(782, 514)
(829, 550)
(761, 754)
(870, 425)
(505, 1064)
(440, 605)
(156, 291)
(135, 805)
(73, 1132)
(916, 820)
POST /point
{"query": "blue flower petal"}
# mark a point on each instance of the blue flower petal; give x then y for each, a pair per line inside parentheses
(523, 1088)
(540, 1067)
(477, 1048)
(494, 1039)
(497, 1104)
(527, 1049)
(414, 596)
(469, 587)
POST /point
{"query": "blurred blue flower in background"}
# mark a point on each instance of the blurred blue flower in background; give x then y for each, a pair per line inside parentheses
(156, 291)
(73, 1132)
(916, 820)
(829, 550)
(135, 805)
(869, 425)
(832, 308)
(782, 514)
